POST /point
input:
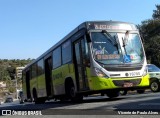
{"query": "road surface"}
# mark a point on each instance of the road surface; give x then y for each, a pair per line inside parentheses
(129, 105)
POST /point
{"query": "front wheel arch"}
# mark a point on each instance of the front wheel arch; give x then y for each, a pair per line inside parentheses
(153, 79)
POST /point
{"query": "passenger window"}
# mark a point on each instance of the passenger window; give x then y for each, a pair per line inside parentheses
(34, 71)
(57, 57)
(66, 52)
(40, 67)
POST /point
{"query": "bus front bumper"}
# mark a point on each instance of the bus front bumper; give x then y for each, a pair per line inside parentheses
(101, 83)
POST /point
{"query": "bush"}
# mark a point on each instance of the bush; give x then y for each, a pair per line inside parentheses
(12, 89)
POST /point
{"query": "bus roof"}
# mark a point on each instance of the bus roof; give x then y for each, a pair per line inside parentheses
(90, 25)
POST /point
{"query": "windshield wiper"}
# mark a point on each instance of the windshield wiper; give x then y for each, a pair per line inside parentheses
(124, 40)
(112, 40)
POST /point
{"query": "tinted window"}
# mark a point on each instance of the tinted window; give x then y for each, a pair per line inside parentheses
(57, 58)
(40, 67)
(85, 51)
(23, 76)
(34, 71)
(104, 49)
(134, 48)
(66, 52)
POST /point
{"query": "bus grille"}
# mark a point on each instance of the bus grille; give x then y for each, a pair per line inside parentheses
(121, 82)
(123, 68)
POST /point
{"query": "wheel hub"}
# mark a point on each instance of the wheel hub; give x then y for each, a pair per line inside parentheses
(154, 86)
(72, 92)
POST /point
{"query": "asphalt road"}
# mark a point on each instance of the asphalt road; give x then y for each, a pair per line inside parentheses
(147, 104)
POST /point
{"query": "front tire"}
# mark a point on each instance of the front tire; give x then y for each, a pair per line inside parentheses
(112, 94)
(72, 95)
(155, 86)
(124, 92)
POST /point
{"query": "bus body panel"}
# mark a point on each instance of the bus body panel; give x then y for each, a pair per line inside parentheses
(59, 76)
(41, 86)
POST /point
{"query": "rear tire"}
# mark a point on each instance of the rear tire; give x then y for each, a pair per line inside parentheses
(36, 99)
(155, 86)
(35, 96)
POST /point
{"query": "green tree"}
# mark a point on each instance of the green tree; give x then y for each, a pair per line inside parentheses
(156, 13)
(150, 31)
(12, 71)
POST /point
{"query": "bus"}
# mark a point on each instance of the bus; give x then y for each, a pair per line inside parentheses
(97, 57)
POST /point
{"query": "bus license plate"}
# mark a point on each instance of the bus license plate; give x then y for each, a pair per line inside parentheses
(128, 84)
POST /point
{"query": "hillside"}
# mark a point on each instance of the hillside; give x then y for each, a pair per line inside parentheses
(8, 80)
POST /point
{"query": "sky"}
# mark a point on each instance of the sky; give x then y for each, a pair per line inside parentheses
(30, 27)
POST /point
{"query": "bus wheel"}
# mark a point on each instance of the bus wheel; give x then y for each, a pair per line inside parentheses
(155, 86)
(35, 96)
(123, 92)
(71, 93)
(141, 91)
(112, 94)
(36, 99)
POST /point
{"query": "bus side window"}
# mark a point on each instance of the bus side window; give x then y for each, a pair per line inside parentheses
(57, 58)
(66, 52)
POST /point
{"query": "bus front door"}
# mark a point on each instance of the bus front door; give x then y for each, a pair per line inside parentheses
(79, 64)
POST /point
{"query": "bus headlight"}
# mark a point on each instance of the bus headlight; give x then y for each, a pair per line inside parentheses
(100, 73)
(145, 72)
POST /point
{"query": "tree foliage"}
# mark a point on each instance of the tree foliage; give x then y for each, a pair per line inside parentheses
(156, 13)
(8, 68)
(150, 31)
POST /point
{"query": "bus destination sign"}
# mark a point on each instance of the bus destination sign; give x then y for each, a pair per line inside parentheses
(106, 26)
(117, 26)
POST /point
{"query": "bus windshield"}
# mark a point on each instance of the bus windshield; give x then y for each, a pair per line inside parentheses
(106, 52)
